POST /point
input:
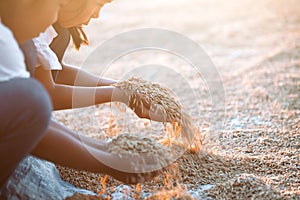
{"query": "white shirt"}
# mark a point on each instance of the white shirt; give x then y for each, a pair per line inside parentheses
(46, 57)
(12, 64)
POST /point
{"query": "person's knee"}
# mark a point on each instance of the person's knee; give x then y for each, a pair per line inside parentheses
(37, 100)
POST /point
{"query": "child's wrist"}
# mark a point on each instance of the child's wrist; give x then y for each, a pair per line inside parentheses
(119, 95)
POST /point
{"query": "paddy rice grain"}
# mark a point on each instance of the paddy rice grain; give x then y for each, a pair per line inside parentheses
(162, 101)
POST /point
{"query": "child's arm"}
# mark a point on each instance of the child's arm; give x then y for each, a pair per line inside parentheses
(67, 97)
(61, 147)
(75, 76)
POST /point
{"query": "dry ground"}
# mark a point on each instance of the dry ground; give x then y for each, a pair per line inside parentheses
(255, 45)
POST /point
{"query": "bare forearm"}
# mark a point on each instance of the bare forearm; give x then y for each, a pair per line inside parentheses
(67, 97)
(98, 144)
(63, 149)
(75, 76)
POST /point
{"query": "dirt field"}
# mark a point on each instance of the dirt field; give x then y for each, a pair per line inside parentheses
(255, 46)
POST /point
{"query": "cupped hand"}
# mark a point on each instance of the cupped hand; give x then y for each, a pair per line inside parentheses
(132, 169)
(141, 105)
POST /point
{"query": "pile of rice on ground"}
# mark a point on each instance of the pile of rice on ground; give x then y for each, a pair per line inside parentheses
(263, 159)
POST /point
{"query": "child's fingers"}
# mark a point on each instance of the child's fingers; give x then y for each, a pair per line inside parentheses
(139, 100)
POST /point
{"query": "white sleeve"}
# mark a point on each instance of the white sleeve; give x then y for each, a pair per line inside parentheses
(46, 57)
(12, 64)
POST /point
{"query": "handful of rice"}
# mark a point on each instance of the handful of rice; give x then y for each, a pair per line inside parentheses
(136, 144)
(163, 101)
(161, 98)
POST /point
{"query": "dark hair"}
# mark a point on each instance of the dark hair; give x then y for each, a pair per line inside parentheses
(78, 36)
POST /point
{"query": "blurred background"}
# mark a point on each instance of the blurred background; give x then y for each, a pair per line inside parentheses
(230, 28)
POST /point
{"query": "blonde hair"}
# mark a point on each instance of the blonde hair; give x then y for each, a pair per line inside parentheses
(78, 37)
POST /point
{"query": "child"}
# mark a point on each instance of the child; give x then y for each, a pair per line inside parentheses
(25, 106)
(93, 90)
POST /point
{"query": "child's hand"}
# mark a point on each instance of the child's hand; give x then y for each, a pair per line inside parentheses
(141, 105)
(132, 169)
